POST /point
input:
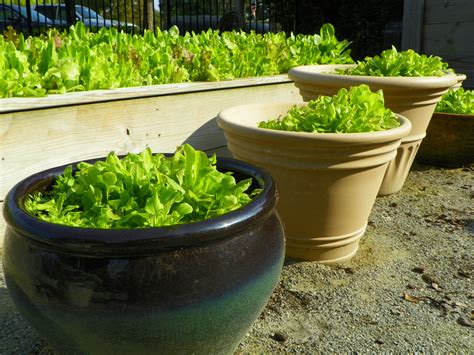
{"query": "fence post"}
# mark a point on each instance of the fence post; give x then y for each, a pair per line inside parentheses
(150, 15)
(28, 14)
(70, 12)
(412, 28)
(239, 8)
(168, 13)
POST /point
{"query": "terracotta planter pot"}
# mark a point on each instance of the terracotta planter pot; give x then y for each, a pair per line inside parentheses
(327, 182)
(412, 97)
(192, 288)
(449, 141)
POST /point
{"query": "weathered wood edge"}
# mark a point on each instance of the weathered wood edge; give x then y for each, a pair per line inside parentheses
(413, 16)
(86, 97)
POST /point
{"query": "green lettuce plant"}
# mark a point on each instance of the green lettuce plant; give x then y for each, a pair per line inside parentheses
(393, 63)
(79, 60)
(458, 101)
(141, 190)
(349, 111)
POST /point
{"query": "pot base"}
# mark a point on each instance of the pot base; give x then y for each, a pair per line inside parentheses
(324, 250)
(398, 168)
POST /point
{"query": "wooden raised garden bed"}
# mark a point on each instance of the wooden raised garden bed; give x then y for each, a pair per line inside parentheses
(39, 133)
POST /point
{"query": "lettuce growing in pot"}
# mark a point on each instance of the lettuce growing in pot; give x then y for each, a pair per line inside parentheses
(349, 111)
(141, 190)
(393, 63)
(458, 101)
(78, 60)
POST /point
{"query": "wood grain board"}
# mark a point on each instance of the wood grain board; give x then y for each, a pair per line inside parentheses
(444, 28)
(95, 96)
(48, 134)
(448, 11)
(412, 29)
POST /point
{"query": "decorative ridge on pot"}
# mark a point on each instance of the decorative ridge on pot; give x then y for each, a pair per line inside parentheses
(114, 241)
(327, 188)
(461, 78)
(413, 97)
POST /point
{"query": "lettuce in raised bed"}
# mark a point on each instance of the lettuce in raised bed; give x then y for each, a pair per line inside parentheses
(458, 101)
(349, 111)
(141, 190)
(79, 60)
(393, 63)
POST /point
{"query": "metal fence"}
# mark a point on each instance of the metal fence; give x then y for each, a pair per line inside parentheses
(35, 16)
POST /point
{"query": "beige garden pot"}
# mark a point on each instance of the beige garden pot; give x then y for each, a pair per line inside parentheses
(412, 97)
(461, 78)
(327, 182)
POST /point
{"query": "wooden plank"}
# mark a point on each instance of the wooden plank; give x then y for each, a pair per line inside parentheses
(467, 69)
(449, 39)
(463, 65)
(448, 11)
(451, 42)
(2, 225)
(74, 98)
(413, 11)
(31, 141)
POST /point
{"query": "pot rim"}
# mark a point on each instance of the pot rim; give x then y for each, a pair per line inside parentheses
(310, 73)
(230, 119)
(98, 241)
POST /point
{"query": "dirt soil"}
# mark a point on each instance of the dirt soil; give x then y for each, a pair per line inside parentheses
(409, 287)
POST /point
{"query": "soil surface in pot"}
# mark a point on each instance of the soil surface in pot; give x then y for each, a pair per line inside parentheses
(407, 289)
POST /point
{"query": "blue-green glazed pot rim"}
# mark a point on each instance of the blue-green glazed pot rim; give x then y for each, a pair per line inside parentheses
(111, 241)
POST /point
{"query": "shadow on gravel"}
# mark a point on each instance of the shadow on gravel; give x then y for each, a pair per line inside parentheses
(423, 167)
(416, 166)
(469, 226)
(289, 261)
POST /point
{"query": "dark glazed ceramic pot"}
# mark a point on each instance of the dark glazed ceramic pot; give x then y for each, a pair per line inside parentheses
(192, 288)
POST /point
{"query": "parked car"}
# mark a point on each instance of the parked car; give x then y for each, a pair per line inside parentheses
(16, 16)
(90, 18)
(228, 22)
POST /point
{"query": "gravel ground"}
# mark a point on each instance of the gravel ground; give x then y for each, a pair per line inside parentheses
(409, 288)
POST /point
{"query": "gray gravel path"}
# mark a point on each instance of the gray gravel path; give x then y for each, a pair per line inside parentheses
(409, 288)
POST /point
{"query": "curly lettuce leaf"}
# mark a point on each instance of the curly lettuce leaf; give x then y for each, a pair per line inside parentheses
(141, 190)
(78, 60)
(349, 111)
(458, 101)
(393, 63)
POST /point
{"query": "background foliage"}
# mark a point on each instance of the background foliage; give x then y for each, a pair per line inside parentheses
(361, 22)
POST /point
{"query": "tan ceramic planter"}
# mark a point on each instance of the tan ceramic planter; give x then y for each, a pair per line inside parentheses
(461, 78)
(328, 182)
(412, 97)
(449, 141)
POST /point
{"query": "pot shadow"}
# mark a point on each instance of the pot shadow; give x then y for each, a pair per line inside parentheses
(17, 337)
(209, 138)
(416, 166)
(469, 226)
